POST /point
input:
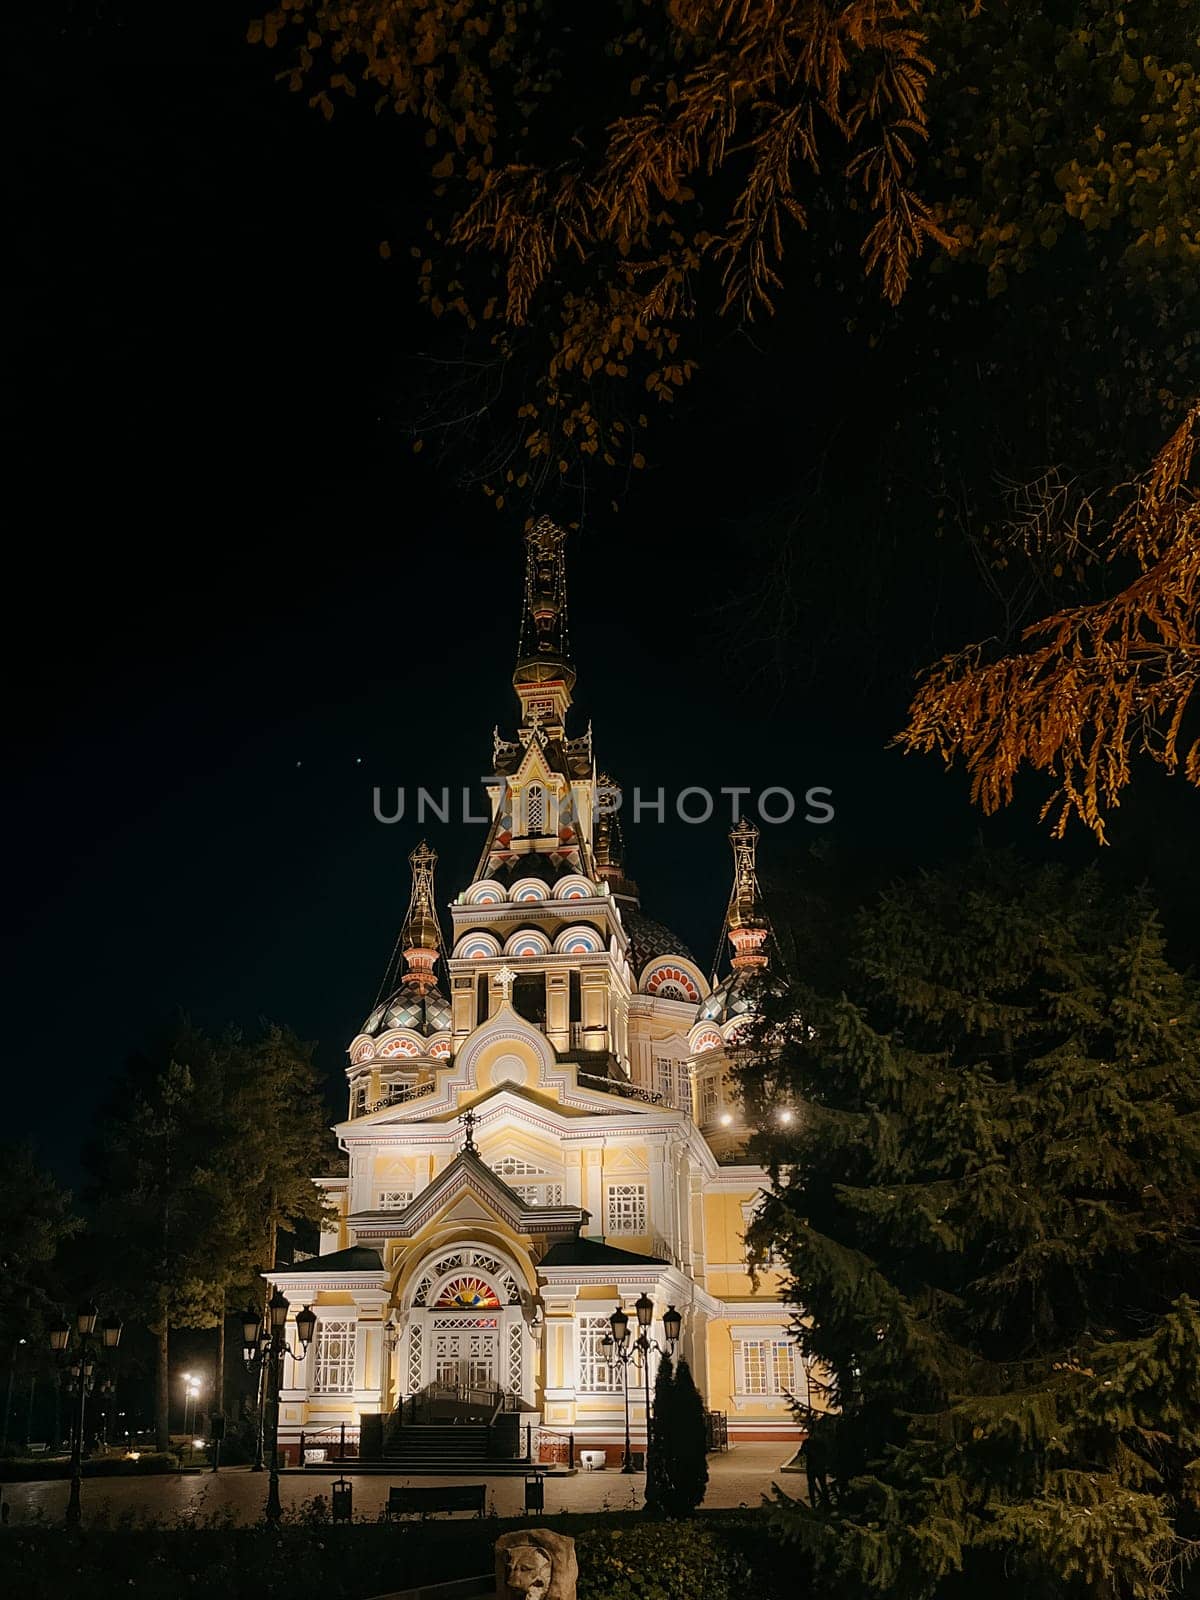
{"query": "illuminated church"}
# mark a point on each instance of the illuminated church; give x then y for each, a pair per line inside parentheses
(541, 1124)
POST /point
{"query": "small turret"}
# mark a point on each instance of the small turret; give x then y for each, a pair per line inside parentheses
(409, 996)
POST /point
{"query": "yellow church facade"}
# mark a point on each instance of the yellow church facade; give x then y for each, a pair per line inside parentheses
(544, 1129)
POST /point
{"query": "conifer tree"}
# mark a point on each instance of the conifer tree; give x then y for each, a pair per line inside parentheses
(659, 1453)
(990, 1213)
(688, 1444)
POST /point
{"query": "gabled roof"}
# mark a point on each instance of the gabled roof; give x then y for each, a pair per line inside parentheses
(357, 1259)
(594, 1253)
(467, 1172)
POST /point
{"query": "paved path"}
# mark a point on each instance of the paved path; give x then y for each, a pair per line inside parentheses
(740, 1476)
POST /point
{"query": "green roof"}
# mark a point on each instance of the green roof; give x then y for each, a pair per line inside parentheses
(357, 1259)
(593, 1253)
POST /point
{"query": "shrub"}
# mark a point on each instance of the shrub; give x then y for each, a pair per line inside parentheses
(685, 1561)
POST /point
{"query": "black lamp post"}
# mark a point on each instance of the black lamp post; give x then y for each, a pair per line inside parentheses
(623, 1351)
(82, 1366)
(264, 1342)
(618, 1353)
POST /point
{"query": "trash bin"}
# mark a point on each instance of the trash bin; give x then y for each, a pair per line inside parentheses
(343, 1500)
(535, 1492)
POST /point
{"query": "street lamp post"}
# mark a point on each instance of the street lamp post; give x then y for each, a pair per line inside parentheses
(265, 1343)
(618, 1347)
(82, 1368)
(618, 1353)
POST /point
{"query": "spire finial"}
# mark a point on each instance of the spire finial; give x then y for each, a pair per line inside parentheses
(745, 921)
(544, 676)
(420, 936)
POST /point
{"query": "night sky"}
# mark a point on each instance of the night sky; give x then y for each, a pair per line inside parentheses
(236, 601)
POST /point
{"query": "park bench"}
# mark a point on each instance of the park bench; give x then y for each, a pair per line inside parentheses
(440, 1497)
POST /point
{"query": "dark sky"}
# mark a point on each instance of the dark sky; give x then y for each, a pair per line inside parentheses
(236, 601)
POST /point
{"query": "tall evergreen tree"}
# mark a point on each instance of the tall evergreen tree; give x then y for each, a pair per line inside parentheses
(35, 1221)
(990, 1212)
(659, 1453)
(686, 1445)
(208, 1149)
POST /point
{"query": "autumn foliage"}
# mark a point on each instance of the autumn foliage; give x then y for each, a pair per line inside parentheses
(1092, 685)
(590, 229)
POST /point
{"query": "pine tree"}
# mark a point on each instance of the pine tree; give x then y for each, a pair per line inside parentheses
(990, 1212)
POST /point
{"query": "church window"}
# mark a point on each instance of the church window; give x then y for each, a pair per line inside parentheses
(627, 1208)
(673, 1082)
(333, 1366)
(765, 1366)
(529, 997)
(594, 1375)
(773, 1255)
(710, 1099)
(360, 1099)
(533, 1194)
(535, 809)
(394, 1199)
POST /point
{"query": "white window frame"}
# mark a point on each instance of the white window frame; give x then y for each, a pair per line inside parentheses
(673, 1081)
(593, 1375)
(710, 1098)
(626, 1209)
(335, 1374)
(764, 1368)
(537, 808)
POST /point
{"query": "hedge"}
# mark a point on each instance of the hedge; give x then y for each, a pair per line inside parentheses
(622, 1556)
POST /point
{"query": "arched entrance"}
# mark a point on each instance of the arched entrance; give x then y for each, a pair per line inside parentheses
(465, 1325)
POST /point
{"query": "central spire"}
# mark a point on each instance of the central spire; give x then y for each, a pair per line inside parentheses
(544, 675)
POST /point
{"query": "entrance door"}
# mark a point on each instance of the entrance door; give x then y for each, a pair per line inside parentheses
(465, 1352)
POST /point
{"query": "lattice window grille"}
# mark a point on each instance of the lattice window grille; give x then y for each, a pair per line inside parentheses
(594, 1373)
(514, 1167)
(535, 809)
(394, 1199)
(515, 1338)
(539, 1194)
(333, 1365)
(414, 1358)
(627, 1208)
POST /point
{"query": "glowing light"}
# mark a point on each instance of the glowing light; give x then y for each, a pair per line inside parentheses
(197, 1444)
(726, 1119)
(785, 1115)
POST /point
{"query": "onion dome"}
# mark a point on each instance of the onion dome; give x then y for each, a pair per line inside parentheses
(748, 930)
(415, 1001)
(740, 994)
(648, 939)
(425, 1010)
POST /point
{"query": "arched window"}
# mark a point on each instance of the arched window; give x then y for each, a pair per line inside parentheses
(535, 809)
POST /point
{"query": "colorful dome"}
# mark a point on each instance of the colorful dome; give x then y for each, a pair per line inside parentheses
(426, 1011)
(648, 939)
(738, 995)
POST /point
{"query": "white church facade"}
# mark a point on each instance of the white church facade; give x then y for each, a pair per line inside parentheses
(545, 1128)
